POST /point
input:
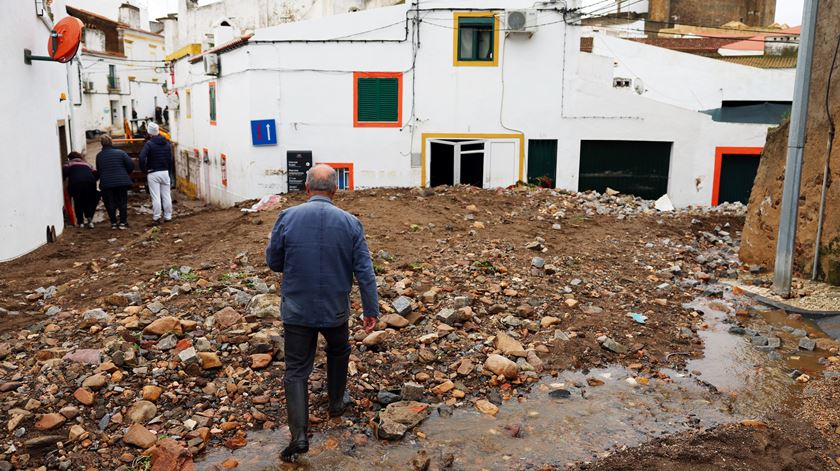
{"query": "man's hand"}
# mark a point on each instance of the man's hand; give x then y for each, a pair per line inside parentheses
(370, 323)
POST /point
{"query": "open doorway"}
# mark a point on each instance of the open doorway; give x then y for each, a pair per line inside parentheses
(638, 168)
(457, 162)
(735, 171)
(115, 114)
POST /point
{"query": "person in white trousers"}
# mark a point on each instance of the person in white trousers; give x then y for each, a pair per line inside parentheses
(156, 161)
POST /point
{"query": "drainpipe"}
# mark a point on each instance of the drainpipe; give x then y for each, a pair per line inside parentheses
(782, 273)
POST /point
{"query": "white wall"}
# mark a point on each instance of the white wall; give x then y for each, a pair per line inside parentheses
(691, 81)
(30, 183)
(538, 89)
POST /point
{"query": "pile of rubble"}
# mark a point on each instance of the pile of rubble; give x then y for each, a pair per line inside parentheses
(195, 355)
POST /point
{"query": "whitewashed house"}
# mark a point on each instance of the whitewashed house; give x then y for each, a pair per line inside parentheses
(447, 92)
(37, 128)
(122, 69)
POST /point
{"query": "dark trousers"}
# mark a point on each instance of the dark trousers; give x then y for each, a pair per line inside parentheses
(116, 199)
(85, 199)
(301, 343)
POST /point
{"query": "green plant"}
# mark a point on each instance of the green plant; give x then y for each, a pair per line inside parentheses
(142, 463)
(230, 276)
(485, 265)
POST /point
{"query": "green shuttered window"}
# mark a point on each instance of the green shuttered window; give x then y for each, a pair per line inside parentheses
(378, 100)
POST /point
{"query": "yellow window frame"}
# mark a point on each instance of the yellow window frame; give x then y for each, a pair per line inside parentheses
(496, 45)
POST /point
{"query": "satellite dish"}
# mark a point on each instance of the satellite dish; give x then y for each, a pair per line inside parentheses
(639, 86)
(65, 38)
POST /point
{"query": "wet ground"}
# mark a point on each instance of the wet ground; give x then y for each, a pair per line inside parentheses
(566, 420)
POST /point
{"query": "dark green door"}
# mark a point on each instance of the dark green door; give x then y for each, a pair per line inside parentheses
(542, 162)
(737, 174)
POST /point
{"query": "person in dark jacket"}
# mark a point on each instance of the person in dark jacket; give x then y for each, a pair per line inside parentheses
(156, 162)
(81, 184)
(318, 248)
(114, 167)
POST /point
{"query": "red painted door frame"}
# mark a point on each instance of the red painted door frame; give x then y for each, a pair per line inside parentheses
(719, 153)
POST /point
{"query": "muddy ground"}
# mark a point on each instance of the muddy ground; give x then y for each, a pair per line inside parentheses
(599, 259)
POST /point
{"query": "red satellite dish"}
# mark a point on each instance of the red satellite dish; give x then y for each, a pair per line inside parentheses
(65, 38)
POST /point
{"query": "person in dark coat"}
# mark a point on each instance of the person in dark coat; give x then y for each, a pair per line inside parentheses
(114, 167)
(81, 184)
(319, 248)
(156, 162)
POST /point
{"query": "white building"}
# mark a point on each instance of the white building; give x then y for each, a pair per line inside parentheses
(36, 127)
(122, 69)
(442, 93)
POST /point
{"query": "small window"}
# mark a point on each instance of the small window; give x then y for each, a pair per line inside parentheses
(212, 88)
(377, 99)
(476, 38)
(344, 175)
(620, 82)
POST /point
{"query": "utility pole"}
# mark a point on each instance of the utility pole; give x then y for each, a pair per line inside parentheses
(796, 142)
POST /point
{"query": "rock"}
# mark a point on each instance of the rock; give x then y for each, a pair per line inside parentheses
(151, 392)
(164, 325)
(71, 412)
(549, 321)
(613, 346)
(141, 412)
(799, 333)
(402, 305)
(374, 338)
(535, 361)
(167, 343)
(774, 342)
(265, 306)
(508, 345)
(501, 366)
(260, 360)
(450, 316)
(737, 330)
(443, 388)
(412, 391)
(486, 407)
(465, 367)
(43, 441)
(50, 421)
(394, 320)
(663, 204)
(87, 356)
(155, 307)
(76, 432)
(94, 316)
(10, 386)
(229, 463)
(188, 355)
(387, 397)
(84, 396)
(398, 418)
(759, 340)
(209, 360)
(139, 436)
(560, 394)
(538, 262)
(461, 301)
(807, 344)
(95, 382)
(227, 318)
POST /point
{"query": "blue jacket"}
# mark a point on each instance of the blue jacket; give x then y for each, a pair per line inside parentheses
(318, 248)
(114, 167)
(156, 155)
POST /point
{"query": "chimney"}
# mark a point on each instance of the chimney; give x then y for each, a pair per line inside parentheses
(130, 15)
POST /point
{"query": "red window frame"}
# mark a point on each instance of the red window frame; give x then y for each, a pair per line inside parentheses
(349, 166)
(719, 153)
(369, 124)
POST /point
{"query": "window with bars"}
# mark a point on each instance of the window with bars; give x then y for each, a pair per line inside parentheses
(378, 99)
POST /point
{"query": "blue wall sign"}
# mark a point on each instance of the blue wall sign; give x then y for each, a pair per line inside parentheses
(263, 132)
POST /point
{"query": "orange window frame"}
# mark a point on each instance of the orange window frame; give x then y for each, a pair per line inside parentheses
(370, 124)
(349, 166)
(719, 153)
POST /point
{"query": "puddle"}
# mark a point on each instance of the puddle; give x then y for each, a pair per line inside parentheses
(589, 424)
(592, 421)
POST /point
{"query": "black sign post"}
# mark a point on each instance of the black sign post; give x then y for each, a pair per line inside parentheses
(298, 162)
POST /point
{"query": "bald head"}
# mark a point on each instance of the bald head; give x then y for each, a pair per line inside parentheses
(321, 180)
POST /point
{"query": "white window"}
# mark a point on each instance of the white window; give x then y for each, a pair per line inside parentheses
(94, 39)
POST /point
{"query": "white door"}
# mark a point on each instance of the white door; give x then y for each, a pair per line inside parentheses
(503, 163)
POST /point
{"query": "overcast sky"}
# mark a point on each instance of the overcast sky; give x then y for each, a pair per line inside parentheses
(787, 11)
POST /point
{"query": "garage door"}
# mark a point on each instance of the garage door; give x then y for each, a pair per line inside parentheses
(638, 168)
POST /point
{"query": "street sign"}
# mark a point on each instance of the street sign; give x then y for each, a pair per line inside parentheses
(298, 162)
(263, 132)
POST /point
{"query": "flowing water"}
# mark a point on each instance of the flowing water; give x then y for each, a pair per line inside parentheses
(733, 381)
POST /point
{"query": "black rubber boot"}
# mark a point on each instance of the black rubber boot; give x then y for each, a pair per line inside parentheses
(297, 409)
(337, 384)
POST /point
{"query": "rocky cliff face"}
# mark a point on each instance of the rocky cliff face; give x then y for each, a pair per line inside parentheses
(761, 228)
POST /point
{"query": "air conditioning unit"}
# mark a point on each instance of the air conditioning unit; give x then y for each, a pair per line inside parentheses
(211, 64)
(521, 21)
(87, 86)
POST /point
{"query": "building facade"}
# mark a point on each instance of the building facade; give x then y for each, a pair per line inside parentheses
(712, 12)
(436, 94)
(122, 70)
(37, 127)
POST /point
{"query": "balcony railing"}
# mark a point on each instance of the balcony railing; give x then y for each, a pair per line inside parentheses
(113, 83)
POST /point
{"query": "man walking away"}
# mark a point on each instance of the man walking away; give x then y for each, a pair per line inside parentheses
(81, 184)
(156, 161)
(318, 248)
(114, 167)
